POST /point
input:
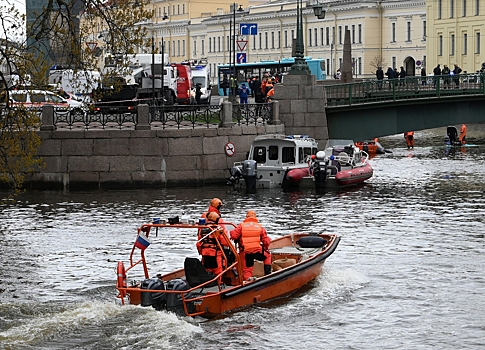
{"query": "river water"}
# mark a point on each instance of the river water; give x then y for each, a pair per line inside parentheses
(408, 273)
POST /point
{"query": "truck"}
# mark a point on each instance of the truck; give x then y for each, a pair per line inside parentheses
(201, 75)
(184, 84)
(79, 83)
(123, 95)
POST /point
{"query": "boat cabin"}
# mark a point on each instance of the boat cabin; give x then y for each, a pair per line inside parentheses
(278, 150)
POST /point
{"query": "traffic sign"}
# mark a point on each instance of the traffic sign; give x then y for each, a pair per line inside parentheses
(248, 29)
(241, 57)
(91, 45)
(418, 63)
(230, 149)
(241, 44)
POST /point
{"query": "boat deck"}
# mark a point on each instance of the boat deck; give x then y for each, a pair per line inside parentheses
(295, 251)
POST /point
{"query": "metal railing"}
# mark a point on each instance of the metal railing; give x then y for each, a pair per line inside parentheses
(162, 117)
(409, 88)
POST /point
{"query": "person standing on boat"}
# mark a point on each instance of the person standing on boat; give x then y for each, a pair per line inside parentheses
(214, 207)
(253, 244)
(409, 137)
(207, 245)
(463, 134)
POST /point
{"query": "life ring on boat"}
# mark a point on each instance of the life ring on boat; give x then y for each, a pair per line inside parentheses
(121, 273)
(283, 263)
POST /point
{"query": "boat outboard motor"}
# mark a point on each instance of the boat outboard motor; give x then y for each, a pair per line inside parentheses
(320, 170)
(249, 173)
(157, 300)
(175, 303)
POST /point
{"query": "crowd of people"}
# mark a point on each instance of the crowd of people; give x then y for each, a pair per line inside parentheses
(261, 90)
(250, 238)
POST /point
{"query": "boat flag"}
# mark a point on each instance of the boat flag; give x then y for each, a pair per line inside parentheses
(142, 241)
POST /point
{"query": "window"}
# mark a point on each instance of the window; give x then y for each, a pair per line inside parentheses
(327, 36)
(253, 39)
(452, 8)
(360, 65)
(259, 154)
(309, 37)
(279, 39)
(360, 33)
(266, 40)
(173, 47)
(424, 30)
(465, 44)
(286, 38)
(477, 42)
(260, 40)
(408, 31)
(353, 33)
(463, 9)
(219, 44)
(439, 9)
(195, 48)
(452, 45)
(316, 36)
(393, 62)
(272, 40)
(178, 47)
(393, 32)
(333, 35)
(340, 34)
(210, 43)
(183, 48)
(202, 48)
(477, 7)
(288, 154)
(440, 45)
(178, 9)
(183, 8)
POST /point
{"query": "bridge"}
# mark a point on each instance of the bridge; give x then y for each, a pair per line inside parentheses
(364, 110)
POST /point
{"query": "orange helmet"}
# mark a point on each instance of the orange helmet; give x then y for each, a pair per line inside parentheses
(251, 214)
(213, 217)
(216, 203)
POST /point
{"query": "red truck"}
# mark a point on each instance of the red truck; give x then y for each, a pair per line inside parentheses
(184, 84)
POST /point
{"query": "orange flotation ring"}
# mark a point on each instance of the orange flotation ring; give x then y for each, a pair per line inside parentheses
(121, 281)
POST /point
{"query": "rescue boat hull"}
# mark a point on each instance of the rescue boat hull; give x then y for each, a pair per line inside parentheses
(354, 176)
(304, 255)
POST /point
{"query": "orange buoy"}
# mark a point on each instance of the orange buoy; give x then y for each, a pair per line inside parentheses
(121, 281)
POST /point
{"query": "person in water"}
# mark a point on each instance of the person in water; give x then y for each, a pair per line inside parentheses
(463, 134)
(409, 137)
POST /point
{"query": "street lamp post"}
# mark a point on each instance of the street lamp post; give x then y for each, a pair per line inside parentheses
(300, 67)
(232, 51)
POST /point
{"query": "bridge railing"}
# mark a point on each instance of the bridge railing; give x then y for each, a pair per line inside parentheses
(409, 88)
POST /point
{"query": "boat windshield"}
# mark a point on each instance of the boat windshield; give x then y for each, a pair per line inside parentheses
(259, 154)
(288, 155)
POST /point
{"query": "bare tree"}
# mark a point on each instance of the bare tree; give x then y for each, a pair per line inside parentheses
(377, 61)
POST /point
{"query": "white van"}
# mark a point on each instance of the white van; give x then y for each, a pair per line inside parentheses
(201, 75)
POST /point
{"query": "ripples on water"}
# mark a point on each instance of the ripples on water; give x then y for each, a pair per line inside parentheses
(408, 273)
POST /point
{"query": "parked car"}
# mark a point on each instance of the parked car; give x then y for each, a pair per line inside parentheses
(35, 99)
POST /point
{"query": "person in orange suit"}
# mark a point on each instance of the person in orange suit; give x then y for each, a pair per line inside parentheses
(253, 244)
(207, 245)
(409, 137)
(462, 137)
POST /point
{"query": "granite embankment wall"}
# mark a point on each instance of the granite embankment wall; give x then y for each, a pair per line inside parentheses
(141, 158)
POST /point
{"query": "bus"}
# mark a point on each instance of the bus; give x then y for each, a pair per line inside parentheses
(247, 70)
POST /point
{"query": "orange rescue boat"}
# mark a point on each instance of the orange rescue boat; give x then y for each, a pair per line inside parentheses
(297, 259)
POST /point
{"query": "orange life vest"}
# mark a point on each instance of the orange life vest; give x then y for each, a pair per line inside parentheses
(251, 235)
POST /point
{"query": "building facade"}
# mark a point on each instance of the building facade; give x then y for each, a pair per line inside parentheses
(387, 33)
(454, 33)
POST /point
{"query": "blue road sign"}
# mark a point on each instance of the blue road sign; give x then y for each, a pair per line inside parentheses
(248, 29)
(241, 57)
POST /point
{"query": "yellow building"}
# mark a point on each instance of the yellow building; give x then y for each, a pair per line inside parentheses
(454, 33)
(390, 33)
(174, 20)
